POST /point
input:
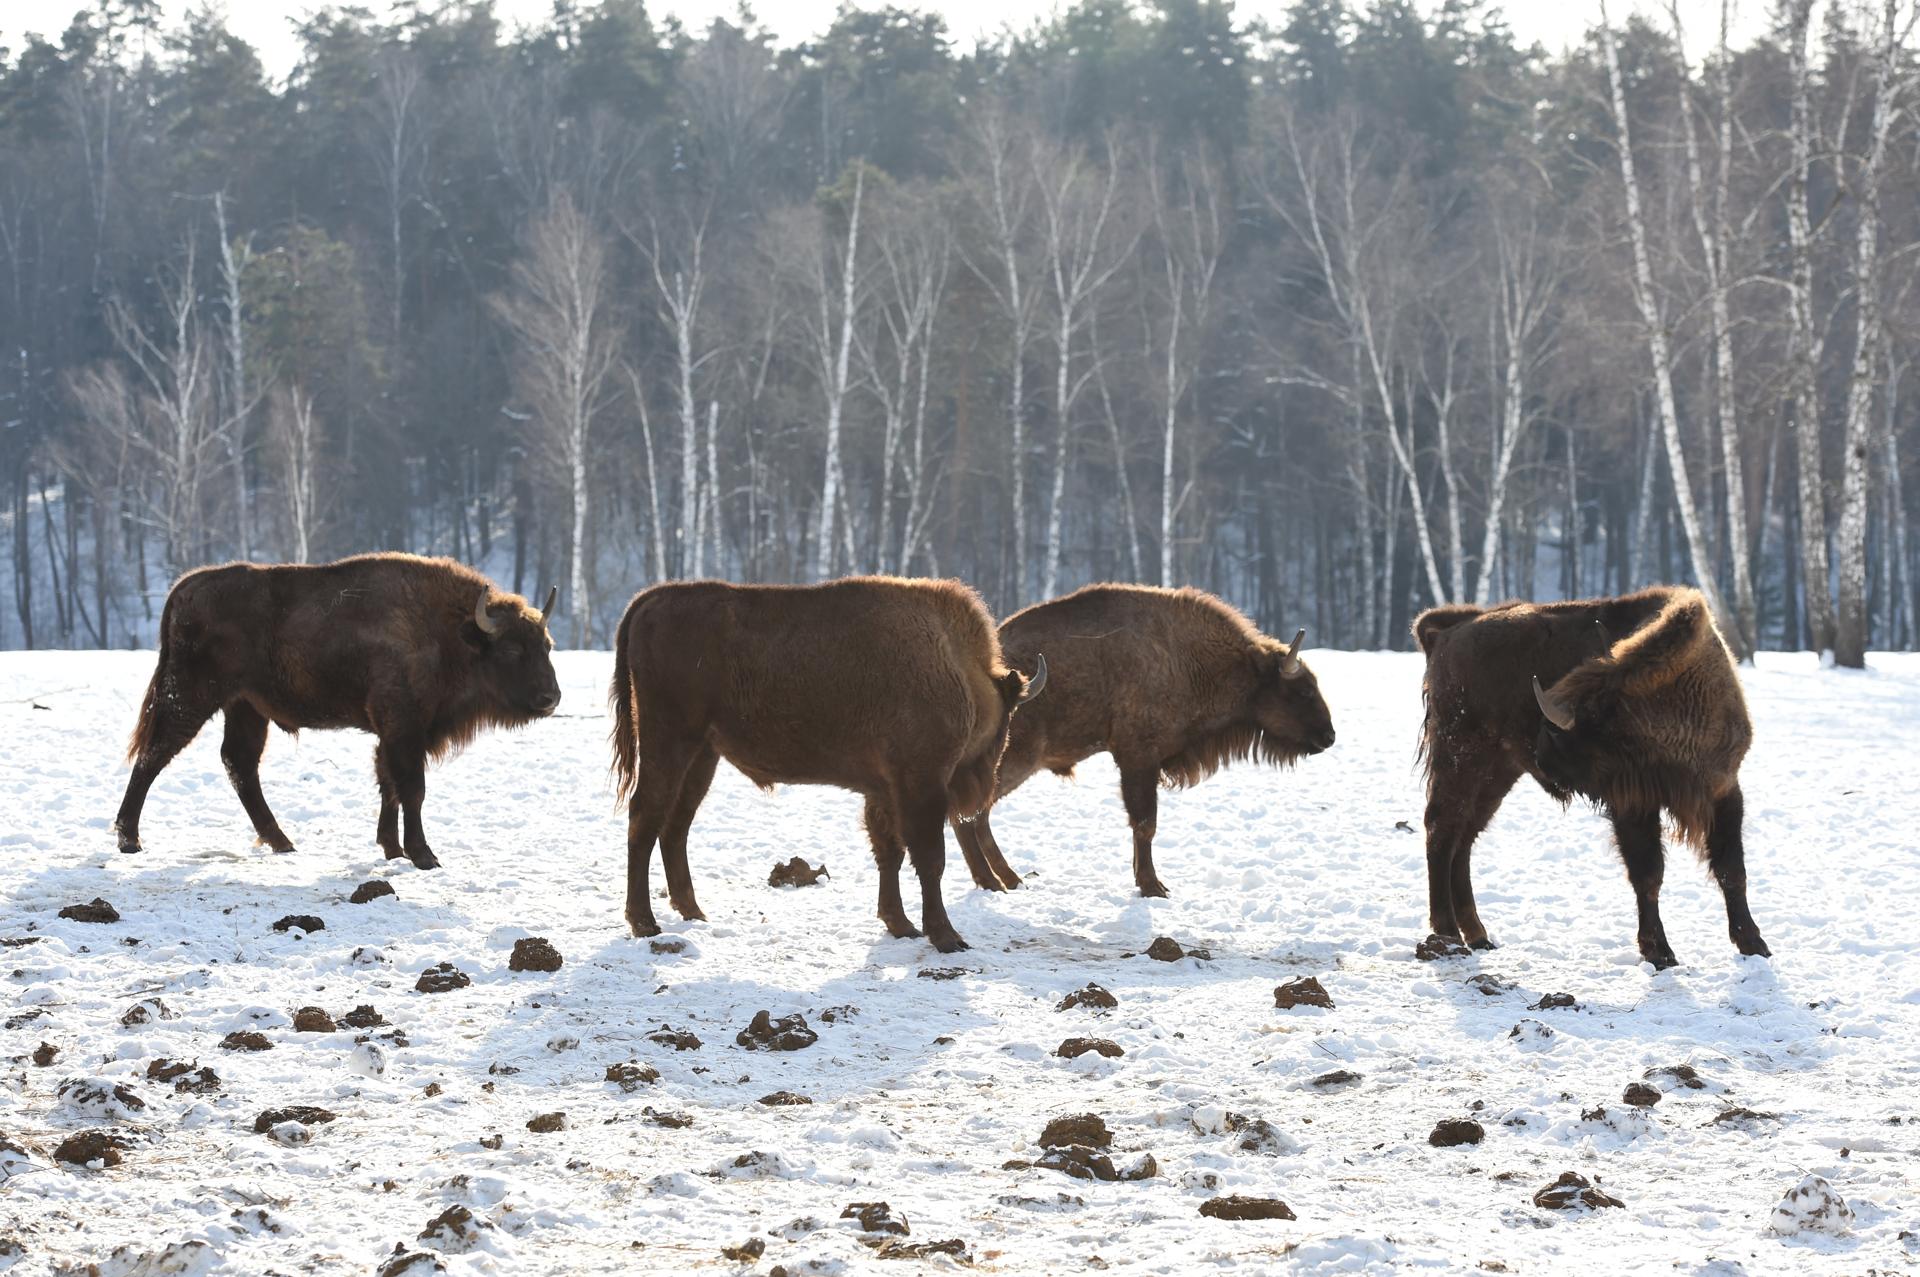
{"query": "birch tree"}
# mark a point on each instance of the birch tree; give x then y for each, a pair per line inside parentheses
(1648, 302)
(837, 283)
(680, 278)
(1850, 631)
(1807, 343)
(568, 350)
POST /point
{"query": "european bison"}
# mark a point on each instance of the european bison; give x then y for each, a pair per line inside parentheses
(1175, 684)
(1630, 702)
(423, 653)
(892, 688)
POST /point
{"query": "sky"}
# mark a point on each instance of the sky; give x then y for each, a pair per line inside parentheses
(266, 24)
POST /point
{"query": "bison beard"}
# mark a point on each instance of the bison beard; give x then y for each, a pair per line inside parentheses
(894, 689)
(1175, 684)
(1631, 702)
(423, 653)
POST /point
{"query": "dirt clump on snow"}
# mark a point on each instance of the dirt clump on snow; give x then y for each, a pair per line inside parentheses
(1681, 1075)
(667, 944)
(746, 1252)
(304, 922)
(784, 1099)
(1306, 991)
(45, 1054)
(893, 1248)
(672, 1121)
(788, 1033)
(1167, 949)
(631, 1075)
(363, 1017)
(305, 1114)
(1640, 1095)
(313, 1020)
(1554, 1002)
(1092, 996)
(678, 1039)
(1573, 1191)
(371, 890)
(442, 977)
(796, 873)
(245, 1040)
(1082, 1128)
(1454, 1131)
(409, 1263)
(86, 1147)
(534, 953)
(1436, 947)
(146, 1011)
(95, 910)
(546, 1123)
(877, 1217)
(1490, 985)
(1336, 1080)
(1074, 1048)
(942, 973)
(1235, 1206)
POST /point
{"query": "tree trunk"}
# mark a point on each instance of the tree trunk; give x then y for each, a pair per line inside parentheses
(1806, 344)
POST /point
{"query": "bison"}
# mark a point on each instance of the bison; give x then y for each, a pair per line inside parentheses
(1175, 684)
(892, 688)
(1630, 702)
(423, 653)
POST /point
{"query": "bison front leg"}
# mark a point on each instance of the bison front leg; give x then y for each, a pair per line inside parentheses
(924, 824)
(883, 831)
(405, 760)
(1140, 792)
(240, 750)
(1638, 835)
(1727, 856)
(989, 868)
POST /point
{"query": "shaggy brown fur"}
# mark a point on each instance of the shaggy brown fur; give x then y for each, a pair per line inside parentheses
(387, 643)
(1175, 684)
(1656, 721)
(892, 688)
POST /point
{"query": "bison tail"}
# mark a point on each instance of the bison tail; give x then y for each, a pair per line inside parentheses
(1436, 621)
(620, 700)
(149, 706)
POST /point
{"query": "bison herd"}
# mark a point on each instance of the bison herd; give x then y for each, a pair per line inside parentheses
(906, 693)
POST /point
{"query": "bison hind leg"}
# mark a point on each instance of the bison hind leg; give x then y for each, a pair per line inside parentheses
(989, 867)
(240, 750)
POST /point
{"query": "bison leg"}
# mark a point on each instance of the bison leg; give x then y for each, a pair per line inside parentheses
(1458, 809)
(1140, 792)
(654, 791)
(240, 750)
(406, 767)
(989, 868)
(673, 837)
(924, 822)
(387, 832)
(1726, 854)
(883, 832)
(1638, 835)
(173, 724)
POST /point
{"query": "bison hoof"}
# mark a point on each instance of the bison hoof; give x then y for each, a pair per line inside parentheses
(1483, 944)
(948, 942)
(1752, 946)
(689, 911)
(644, 928)
(129, 845)
(1661, 961)
(901, 929)
(423, 858)
(393, 853)
(1156, 889)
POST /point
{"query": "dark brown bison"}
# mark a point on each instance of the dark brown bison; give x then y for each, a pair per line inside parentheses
(892, 688)
(1630, 702)
(1175, 684)
(423, 653)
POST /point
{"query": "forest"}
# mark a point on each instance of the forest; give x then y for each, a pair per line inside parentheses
(1338, 313)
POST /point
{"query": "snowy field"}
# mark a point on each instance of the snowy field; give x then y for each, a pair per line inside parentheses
(929, 1087)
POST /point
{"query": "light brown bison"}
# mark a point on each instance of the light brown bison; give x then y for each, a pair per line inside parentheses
(1175, 684)
(1630, 702)
(892, 688)
(423, 653)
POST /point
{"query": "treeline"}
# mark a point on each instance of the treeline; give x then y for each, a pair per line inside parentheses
(1338, 315)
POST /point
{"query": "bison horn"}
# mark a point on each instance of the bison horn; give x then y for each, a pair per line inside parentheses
(546, 610)
(1037, 683)
(1290, 659)
(482, 617)
(1556, 713)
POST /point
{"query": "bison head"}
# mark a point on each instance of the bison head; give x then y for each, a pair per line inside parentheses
(1568, 748)
(1287, 706)
(514, 654)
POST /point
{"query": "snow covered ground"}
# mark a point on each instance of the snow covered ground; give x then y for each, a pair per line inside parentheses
(926, 1090)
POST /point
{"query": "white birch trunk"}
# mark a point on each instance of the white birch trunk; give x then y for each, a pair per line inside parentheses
(837, 388)
(1806, 342)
